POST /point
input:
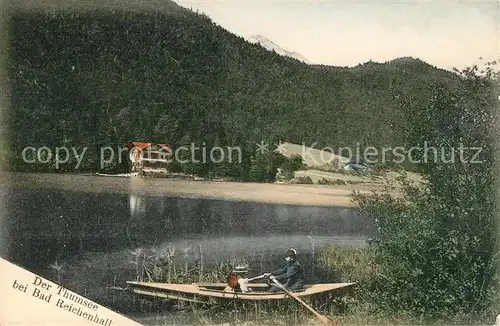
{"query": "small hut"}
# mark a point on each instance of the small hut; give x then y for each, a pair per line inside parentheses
(149, 157)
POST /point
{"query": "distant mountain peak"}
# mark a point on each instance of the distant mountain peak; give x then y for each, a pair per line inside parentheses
(271, 45)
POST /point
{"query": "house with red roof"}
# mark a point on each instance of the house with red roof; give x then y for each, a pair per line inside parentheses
(149, 157)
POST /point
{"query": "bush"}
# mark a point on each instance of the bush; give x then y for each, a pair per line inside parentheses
(435, 246)
(302, 180)
(324, 181)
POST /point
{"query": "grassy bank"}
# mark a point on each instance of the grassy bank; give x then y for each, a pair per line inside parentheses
(361, 305)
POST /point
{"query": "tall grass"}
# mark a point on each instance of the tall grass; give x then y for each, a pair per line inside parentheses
(346, 265)
(358, 305)
(349, 307)
(100, 276)
(338, 264)
(352, 306)
(156, 265)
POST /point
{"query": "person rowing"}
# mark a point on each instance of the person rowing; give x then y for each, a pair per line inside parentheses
(290, 274)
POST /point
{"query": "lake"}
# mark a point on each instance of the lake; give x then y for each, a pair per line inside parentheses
(84, 240)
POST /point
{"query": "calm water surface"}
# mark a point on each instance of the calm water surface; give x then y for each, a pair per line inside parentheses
(95, 232)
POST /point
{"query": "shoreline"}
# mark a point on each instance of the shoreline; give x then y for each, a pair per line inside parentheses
(268, 193)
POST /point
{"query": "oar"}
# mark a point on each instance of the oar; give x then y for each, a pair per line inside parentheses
(244, 281)
(324, 319)
(254, 278)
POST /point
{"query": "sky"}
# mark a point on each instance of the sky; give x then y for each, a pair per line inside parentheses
(445, 34)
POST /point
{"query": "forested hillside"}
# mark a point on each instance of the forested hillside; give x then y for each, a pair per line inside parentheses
(94, 79)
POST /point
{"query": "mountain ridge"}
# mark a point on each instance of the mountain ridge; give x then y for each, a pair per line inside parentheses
(191, 81)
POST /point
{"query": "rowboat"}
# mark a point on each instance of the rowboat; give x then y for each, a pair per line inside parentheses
(191, 292)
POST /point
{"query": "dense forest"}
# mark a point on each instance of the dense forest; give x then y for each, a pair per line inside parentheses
(103, 78)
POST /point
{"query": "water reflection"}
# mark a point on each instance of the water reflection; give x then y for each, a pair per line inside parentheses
(137, 206)
(48, 225)
(86, 240)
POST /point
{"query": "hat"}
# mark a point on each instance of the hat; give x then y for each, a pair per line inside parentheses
(291, 253)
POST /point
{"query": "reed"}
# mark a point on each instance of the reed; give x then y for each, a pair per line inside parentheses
(55, 267)
(313, 255)
(350, 264)
(201, 263)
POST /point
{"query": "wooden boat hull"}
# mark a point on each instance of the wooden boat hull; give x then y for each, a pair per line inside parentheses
(216, 291)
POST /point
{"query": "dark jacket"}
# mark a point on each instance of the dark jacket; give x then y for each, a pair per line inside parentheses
(291, 271)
